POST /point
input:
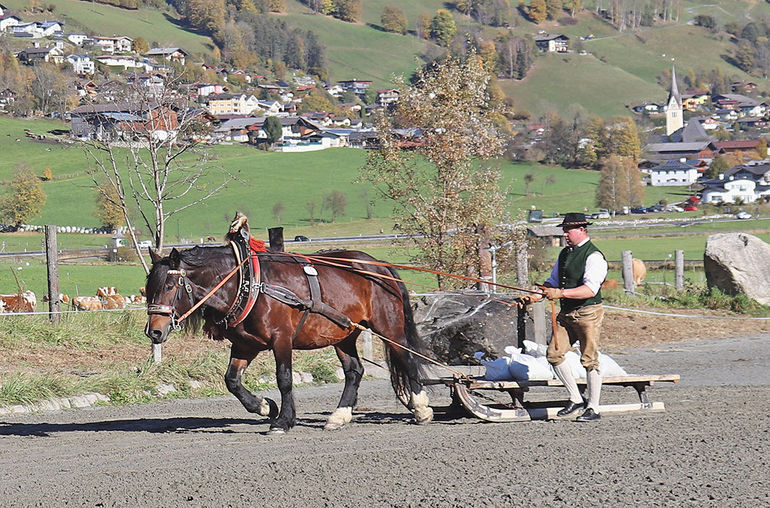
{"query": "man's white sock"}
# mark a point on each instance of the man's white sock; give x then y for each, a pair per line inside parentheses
(564, 373)
(594, 381)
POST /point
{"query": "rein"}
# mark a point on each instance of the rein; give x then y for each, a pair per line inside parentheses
(327, 260)
(169, 310)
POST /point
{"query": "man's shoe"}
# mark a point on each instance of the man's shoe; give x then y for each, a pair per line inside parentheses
(588, 416)
(570, 408)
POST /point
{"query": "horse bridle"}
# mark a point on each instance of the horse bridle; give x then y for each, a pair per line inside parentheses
(170, 310)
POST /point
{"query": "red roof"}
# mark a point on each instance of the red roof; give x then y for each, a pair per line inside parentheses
(737, 145)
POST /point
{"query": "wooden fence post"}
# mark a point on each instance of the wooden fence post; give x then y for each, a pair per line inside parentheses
(52, 263)
(366, 345)
(679, 270)
(539, 322)
(522, 264)
(628, 272)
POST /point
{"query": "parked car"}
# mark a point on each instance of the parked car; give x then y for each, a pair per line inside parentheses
(743, 215)
(639, 209)
(674, 208)
(655, 208)
(145, 244)
(690, 208)
(301, 238)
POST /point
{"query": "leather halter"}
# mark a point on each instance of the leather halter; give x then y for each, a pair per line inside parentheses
(170, 310)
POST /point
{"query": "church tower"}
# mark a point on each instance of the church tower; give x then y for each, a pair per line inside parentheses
(674, 117)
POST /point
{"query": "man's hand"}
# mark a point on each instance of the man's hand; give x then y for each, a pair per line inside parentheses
(553, 293)
(527, 299)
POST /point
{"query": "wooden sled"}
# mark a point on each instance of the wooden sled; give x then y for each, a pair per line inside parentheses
(468, 392)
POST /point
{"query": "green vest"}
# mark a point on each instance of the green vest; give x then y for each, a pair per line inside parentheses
(572, 266)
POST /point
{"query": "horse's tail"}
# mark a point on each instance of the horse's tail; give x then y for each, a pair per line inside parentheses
(406, 371)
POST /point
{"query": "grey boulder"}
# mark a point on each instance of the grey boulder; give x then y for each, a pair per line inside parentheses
(738, 263)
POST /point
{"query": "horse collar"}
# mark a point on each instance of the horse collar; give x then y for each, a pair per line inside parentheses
(248, 279)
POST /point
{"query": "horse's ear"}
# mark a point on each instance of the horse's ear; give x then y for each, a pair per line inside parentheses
(154, 255)
(174, 256)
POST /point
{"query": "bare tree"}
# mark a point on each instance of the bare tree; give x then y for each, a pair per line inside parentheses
(149, 154)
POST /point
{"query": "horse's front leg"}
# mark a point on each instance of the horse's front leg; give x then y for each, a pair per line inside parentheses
(283, 375)
(253, 404)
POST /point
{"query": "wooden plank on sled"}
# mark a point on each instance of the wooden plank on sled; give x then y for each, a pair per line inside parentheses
(519, 411)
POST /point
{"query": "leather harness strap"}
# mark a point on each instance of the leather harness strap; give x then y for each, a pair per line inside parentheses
(248, 280)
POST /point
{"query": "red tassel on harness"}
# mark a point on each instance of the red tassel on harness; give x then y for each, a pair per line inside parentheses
(256, 245)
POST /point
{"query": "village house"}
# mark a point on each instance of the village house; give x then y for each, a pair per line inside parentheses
(8, 21)
(30, 30)
(78, 39)
(81, 64)
(743, 105)
(170, 54)
(32, 56)
(7, 98)
(232, 104)
(111, 45)
(206, 89)
(357, 86)
(124, 61)
(387, 96)
(50, 28)
(673, 172)
(122, 120)
(694, 100)
(552, 43)
(745, 183)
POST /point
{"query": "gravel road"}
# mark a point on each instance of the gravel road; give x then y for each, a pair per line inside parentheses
(710, 448)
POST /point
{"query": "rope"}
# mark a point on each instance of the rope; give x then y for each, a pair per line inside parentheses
(431, 360)
(46, 313)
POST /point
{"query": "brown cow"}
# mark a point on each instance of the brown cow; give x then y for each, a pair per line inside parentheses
(640, 271)
(610, 284)
(87, 303)
(115, 302)
(62, 298)
(106, 291)
(20, 302)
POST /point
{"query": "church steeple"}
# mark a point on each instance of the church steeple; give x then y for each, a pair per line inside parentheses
(674, 117)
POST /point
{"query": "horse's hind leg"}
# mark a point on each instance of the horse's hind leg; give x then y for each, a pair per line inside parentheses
(253, 404)
(354, 371)
(405, 377)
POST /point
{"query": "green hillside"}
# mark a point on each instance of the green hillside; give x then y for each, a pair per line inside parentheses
(152, 25)
(621, 69)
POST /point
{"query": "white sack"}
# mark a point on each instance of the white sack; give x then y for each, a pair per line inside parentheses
(496, 370)
(535, 349)
(525, 367)
(609, 367)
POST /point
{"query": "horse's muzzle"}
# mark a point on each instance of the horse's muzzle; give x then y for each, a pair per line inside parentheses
(156, 335)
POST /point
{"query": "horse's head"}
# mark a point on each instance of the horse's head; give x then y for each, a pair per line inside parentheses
(169, 295)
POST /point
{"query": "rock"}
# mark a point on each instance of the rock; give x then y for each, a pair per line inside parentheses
(736, 263)
(306, 377)
(296, 378)
(165, 389)
(454, 326)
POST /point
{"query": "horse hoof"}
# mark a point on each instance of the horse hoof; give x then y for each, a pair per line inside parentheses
(268, 407)
(339, 418)
(333, 426)
(423, 416)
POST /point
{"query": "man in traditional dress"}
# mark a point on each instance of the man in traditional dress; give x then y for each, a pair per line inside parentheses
(576, 280)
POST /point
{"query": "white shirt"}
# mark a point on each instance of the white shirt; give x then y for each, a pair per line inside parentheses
(594, 274)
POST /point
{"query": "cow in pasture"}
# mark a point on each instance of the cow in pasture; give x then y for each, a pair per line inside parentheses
(106, 291)
(87, 303)
(19, 302)
(115, 301)
(610, 284)
(62, 298)
(640, 271)
(137, 299)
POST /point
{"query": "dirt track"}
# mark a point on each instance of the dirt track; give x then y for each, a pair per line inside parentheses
(710, 448)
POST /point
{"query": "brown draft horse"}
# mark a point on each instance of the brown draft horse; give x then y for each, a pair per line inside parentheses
(179, 281)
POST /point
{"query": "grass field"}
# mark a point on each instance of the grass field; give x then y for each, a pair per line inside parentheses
(156, 27)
